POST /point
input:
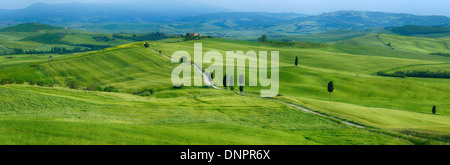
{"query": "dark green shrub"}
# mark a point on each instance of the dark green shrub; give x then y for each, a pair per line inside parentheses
(41, 83)
(110, 89)
(3, 82)
(31, 82)
(72, 84)
(144, 92)
(7, 81)
(94, 87)
(19, 81)
(396, 74)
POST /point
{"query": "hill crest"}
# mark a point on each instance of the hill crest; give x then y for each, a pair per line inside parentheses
(29, 27)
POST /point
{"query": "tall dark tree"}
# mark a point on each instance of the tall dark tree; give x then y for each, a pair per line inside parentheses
(264, 38)
(231, 83)
(241, 88)
(225, 81)
(146, 45)
(434, 109)
(211, 76)
(181, 59)
(330, 88)
(296, 60)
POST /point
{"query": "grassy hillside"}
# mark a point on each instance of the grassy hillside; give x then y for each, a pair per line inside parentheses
(414, 30)
(128, 67)
(431, 67)
(395, 46)
(356, 87)
(39, 37)
(27, 45)
(328, 36)
(393, 110)
(29, 27)
(194, 116)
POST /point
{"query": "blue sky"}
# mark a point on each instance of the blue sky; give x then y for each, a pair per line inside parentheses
(421, 7)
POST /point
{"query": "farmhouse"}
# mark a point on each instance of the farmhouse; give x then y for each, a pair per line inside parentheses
(194, 34)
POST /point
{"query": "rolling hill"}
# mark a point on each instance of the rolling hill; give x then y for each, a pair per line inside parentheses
(180, 17)
(128, 67)
(359, 20)
(391, 110)
(39, 38)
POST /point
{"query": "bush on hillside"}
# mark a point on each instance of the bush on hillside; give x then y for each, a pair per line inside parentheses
(31, 82)
(72, 84)
(7, 81)
(396, 74)
(94, 87)
(144, 92)
(19, 81)
(41, 83)
(110, 89)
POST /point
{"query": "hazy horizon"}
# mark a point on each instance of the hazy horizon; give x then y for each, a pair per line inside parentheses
(417, 7)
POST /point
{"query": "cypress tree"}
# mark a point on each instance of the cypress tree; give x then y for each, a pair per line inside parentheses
(225, 81)
(330, 88)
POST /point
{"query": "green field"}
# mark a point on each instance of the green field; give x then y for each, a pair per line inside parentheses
(128, 67)
(27, 45)
(39, 37)
(191, 116)
(393, 110)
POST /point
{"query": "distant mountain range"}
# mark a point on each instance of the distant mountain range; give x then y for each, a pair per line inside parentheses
(179, 17)
(101, 13)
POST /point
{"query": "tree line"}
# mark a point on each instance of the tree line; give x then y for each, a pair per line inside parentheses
(101, 38)
(5, 81)
(441, 54)
(416, 73)
(295, 44)
(141, 37)
(60, 50)
(413, 29)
